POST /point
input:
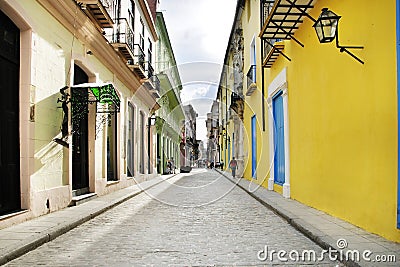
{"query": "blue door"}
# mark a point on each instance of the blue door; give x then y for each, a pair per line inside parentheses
(279, 141)
(253, 147)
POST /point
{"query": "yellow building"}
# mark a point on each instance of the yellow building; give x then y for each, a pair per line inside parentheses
(325, 132)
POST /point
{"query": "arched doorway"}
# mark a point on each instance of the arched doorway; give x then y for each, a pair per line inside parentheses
(80, 170)
(9, 116)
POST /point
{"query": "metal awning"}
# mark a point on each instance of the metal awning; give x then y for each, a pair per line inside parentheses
(285, 18)
(102, 93)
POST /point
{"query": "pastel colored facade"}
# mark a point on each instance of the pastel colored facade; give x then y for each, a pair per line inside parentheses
(64, 44)
(325, 133)
(170, 116)
(233, 130)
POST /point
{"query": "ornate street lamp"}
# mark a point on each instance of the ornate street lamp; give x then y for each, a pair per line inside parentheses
(327, 29)
(326, 26)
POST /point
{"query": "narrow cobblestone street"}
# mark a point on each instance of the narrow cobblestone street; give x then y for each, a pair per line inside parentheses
(199, 218)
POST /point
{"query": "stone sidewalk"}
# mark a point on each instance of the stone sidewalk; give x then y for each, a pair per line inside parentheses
(21, 238)
(327, 231)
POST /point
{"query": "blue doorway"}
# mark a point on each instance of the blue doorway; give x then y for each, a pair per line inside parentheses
(279, 139)
(253, 147)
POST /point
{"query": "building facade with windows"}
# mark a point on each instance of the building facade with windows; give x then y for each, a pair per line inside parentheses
(80, 95)
(212, 124)
(189, 147)
(170, 116)
(238, 108)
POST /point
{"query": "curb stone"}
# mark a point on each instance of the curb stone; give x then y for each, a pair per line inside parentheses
(302, 226)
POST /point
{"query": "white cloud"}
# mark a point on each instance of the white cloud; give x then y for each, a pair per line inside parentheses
(199, 32)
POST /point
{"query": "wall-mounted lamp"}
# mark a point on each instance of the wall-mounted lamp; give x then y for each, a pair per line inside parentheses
(327, 29)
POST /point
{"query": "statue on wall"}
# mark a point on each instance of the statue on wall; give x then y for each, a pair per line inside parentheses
(64, 125)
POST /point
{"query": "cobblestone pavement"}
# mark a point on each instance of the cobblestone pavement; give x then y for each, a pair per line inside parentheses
(196, 219)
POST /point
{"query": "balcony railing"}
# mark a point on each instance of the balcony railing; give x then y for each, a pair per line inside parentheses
(251, 75)
(268, 47)
(150, 70)
(101, 12)
(139, 56)
(281, 18)
(152, 83)
(271, 51)
(141, 42)
(251, 80)
(237, 105)
(266, 7)
(156, 85)
(111, 6)
(123, 37)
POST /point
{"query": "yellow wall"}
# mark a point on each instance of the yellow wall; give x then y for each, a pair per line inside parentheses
(343, 117)
(253, 105)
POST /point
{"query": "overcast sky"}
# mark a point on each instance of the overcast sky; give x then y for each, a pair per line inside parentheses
(199, 32)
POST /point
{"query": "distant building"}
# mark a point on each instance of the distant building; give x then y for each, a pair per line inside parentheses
(202, 150)
(189, 146)
(212, 124)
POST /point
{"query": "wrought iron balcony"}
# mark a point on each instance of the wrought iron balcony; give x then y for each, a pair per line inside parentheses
(251, 75)
(150, 70)
(152, 83)
(251, 80)
(122, 39)
(272, 49)
(266, 8)
(279, 20)
(101, 12)
(138, 63)
(237, 105)
(156, 86)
